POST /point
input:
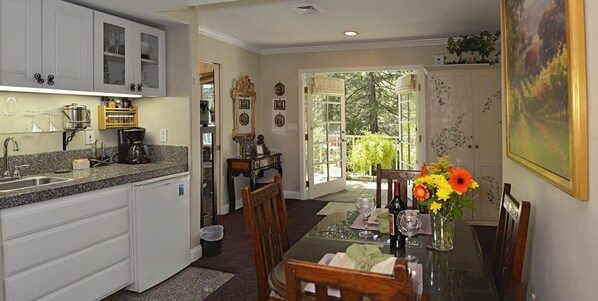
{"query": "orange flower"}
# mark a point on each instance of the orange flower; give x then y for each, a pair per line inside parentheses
(424, 170)
(460, 180)
(421, 192)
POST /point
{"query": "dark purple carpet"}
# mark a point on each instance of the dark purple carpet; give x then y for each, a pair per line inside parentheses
(237, 256)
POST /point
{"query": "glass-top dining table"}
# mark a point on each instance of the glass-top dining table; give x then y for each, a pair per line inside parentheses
(455, 275)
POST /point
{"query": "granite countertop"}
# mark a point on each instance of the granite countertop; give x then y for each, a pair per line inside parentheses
(87, 180)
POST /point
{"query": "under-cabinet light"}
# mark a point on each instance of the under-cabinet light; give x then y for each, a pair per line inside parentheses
(350, 33)
(68, 92)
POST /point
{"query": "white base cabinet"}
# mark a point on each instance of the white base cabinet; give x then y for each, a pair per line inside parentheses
(72, 248)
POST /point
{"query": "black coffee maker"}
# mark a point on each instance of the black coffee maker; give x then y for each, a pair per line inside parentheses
(131, 149)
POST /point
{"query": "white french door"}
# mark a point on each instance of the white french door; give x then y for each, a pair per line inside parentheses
(325, 128)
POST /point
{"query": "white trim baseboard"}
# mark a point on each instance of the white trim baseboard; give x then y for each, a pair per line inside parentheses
(292, 195)
(196, 253)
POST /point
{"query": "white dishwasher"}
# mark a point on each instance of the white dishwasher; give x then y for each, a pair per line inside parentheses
(161, 229)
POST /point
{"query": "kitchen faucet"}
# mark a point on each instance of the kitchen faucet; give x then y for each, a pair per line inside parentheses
(6, 173)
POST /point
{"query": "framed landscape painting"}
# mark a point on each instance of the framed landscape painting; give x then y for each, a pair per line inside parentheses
(545, 81)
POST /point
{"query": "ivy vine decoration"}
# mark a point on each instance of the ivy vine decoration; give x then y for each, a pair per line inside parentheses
(483, 44)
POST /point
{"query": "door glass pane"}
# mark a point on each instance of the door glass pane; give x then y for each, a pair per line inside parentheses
(321, 173)
(319, 111)
(334, 112)
(320, 153)
(149, 61)
(334, 153)
(319, 132)
(114, 55)
(335, 171)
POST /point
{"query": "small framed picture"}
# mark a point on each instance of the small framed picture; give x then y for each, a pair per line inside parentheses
(280, 104)
(259, 149)
(244, 104)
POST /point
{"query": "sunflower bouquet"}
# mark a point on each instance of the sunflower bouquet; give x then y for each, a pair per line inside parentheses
(442, 188)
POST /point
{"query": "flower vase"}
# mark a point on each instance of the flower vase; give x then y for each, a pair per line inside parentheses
(443, 230)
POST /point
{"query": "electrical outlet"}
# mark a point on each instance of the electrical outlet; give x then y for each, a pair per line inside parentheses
(163, 135)
(89, 139)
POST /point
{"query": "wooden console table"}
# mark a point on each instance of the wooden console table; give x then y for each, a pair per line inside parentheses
(250, 167)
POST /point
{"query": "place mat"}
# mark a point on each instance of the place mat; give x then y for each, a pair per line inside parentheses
(426, 228)
(334, 207)
(341, 259)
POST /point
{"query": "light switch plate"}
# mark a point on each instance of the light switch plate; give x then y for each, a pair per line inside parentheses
(163, 135)
(89, 139)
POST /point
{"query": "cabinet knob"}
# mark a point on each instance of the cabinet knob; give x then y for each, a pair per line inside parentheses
(139, 86)
(469, 146)
(476, 146)
(39, 78)
(50, 79)
(132, 87)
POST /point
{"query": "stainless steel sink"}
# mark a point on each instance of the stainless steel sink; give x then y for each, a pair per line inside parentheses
(29, 182)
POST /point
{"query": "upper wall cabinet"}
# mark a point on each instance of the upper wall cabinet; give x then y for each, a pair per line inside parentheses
(129, 57)
(46, 45)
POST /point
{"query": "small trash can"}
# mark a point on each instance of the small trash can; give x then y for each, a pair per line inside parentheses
(211, 240)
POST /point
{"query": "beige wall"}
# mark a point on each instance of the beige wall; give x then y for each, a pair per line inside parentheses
(234, 63)
(561, 255)
(285, 68)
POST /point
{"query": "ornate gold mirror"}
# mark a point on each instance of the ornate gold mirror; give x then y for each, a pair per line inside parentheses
(244, 108)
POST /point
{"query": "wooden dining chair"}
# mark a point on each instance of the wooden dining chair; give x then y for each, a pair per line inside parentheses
(352, 284)
(511, 237)
(266, 221)
(405, 177)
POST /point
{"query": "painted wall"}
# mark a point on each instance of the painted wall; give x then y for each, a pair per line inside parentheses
(561, 256)
(285, 68)
(234, 63)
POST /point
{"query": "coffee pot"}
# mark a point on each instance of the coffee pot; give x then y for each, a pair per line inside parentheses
(138, 153)
(131, 149)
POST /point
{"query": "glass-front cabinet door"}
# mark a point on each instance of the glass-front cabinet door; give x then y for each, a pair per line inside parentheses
(114, 60)
(129, 57)
(150, 58)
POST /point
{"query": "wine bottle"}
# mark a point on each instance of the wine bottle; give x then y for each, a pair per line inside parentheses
(397, 240)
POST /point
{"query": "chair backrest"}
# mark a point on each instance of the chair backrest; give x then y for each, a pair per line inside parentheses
(266, 221)
(352, 284)
(403, 176)
(511, 236)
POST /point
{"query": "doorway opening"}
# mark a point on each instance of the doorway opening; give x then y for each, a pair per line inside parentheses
(353, 120)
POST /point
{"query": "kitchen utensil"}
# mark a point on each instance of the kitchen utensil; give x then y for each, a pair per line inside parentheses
(75, 117)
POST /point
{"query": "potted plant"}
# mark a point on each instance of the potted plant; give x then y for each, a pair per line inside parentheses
(472, 49)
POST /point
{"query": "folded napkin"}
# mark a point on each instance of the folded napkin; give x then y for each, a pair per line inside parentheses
(383, 222)
(366, 256)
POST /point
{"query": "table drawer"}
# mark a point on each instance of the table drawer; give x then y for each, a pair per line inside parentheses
(34, 249)
(25, 219)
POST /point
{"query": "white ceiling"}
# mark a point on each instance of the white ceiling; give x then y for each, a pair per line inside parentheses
(272, 24)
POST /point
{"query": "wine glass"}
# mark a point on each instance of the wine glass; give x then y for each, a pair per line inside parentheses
(409, 222)
(34, 127)
(365, 206)
(51, 127)
(11, 107)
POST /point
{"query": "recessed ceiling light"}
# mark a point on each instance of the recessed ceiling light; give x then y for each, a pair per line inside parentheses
(350, 33)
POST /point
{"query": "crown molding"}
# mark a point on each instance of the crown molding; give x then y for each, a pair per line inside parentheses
(228, 39)
(319, 48)
(356, 46)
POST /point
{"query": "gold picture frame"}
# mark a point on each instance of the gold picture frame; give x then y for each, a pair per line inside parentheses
(244, 108)
(545, 91)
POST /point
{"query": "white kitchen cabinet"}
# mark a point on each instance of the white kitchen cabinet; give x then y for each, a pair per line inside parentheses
(71, 248)
(129, 57)
(463, 121)
(46, 45)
